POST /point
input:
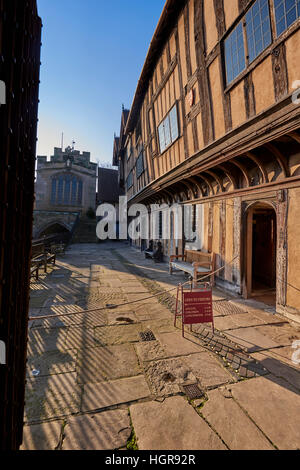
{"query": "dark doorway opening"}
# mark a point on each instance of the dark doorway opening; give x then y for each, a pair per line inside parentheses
(261, 253)
(54, 230)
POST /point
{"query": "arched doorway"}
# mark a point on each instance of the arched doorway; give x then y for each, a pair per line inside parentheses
(54, 229)
(261, 253)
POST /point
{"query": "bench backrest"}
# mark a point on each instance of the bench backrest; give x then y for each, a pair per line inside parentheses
(38, 250)
(192, 256)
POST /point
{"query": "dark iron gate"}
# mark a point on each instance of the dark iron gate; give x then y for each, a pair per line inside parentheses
(20, 41)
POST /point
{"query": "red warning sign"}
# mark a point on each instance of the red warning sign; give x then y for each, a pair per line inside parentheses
(197, 307)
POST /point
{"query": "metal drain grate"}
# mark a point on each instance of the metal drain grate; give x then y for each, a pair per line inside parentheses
(227, 308)
(147, 336)
(193, 391)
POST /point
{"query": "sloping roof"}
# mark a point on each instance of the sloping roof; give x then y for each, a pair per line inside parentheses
(165, 25)
(108, 185)
(116, 151)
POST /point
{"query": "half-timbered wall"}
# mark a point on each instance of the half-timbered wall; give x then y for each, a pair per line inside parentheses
(239, 139)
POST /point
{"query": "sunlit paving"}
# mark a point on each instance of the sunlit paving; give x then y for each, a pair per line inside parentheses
(90, 354)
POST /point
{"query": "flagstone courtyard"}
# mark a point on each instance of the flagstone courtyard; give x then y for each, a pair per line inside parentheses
(107, 368)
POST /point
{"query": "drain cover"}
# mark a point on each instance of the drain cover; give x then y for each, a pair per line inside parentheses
(193, 391)
(227, 308)
(147, 336)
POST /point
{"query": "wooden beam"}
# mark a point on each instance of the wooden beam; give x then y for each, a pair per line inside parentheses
(260, 166)
(229, 176)
(280, 159)
(216, 178)
(243, 170)
(203, 78)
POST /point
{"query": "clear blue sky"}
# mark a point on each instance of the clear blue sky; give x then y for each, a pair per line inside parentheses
(92, 56)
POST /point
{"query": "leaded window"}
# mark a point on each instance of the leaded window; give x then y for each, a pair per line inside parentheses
(235, 53)
(129, 182)
(258, 28)
(140, 165)
(66, 190)
(168, 130)
(286, 13)
(252, 34)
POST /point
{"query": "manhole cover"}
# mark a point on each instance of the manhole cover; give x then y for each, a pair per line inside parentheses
(147, 336)
(193, 391)
(227, 308)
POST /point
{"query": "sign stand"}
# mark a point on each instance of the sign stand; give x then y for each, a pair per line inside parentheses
(196, 305)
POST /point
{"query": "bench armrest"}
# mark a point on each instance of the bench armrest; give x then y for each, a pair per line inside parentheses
(205, 264)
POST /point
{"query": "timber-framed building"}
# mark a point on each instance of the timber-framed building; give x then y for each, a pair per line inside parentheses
(215, 123)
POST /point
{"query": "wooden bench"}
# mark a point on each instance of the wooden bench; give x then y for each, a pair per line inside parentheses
(40, 258)
(195, 263)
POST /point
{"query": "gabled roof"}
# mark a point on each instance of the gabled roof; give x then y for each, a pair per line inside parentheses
(163, 30)
(116, 151)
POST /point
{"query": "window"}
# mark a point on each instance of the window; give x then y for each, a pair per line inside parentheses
(140, 165)
(255, 29)
(168, 130)
(66, 190)
(53, 191)
(258, 28)
(235, 53)
(129, 182)
(286, 13)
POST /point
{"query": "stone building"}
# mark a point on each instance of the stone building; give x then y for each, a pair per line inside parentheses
(65, 184)
(215, 125)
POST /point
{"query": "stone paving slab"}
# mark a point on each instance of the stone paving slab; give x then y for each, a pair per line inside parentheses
(240, 320)
(283, 335)
(107, 363)
(51, 363)
(252, 339)
(172, 425)
(151, 311)
(118, 334)
(175, 345)
(208, 370)
(167, 375)
(80, 338)
(279, 365)
(232, 423)
(106, 394)
(109, 430)
(121, 318)
(52, 397)
(165, 325)
(43, 436)
(44, 340)
(150, 351)
(274, 406)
